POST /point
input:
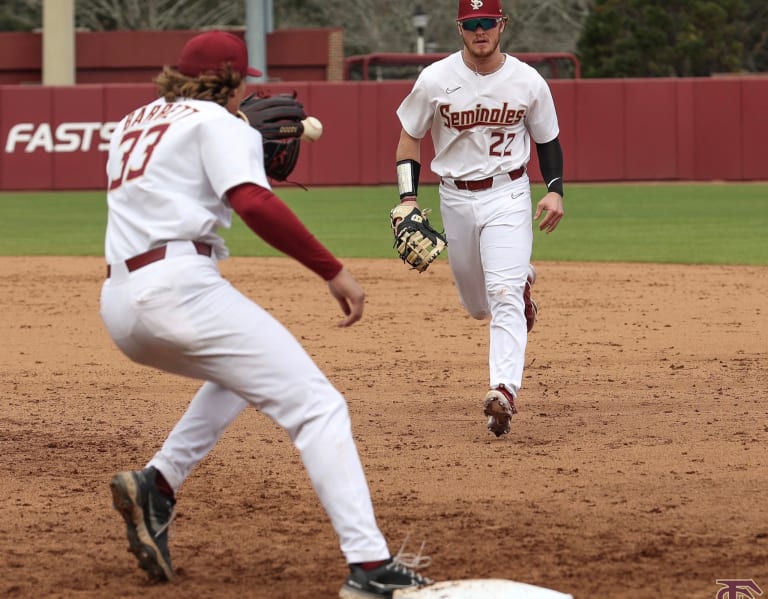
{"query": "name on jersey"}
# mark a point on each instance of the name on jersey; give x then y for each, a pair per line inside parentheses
(167, 112)
(480, 115)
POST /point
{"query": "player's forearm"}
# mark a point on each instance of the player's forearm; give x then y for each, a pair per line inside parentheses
(408, 165)
(408, 148)
(551, 164)
(272, 220)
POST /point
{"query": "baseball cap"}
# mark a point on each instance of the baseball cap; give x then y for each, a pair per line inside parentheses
(207, 52)
(469, 9)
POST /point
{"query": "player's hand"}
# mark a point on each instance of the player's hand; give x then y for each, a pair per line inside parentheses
(350, 296)
(551, 206)
(408, 201)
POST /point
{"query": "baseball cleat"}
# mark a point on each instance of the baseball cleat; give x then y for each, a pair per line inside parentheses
(380, 582)
(499, 406)
(531, 309)
(147, 514)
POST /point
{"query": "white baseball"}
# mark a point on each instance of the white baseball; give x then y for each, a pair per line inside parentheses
(313, 129)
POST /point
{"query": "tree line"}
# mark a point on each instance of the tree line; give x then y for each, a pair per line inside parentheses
(612, 38)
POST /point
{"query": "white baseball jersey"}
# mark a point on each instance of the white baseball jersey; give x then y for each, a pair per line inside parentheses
(169, 167)
(481, 124)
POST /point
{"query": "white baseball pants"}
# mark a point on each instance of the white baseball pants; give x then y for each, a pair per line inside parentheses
(181, 316)
(490, 239)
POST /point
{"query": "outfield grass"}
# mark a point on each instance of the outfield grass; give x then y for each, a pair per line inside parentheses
(696, 223)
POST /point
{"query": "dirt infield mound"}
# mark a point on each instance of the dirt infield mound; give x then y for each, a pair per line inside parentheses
(636, 468)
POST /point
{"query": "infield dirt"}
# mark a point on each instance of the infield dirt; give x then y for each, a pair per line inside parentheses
(636, 467)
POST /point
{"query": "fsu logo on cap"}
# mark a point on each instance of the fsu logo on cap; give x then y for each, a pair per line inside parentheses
(471, 9)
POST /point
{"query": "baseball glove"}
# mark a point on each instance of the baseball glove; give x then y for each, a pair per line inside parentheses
(278, 118)
(416, 241)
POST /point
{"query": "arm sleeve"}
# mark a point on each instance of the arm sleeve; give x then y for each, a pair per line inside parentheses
(551, 164)
(272, 220)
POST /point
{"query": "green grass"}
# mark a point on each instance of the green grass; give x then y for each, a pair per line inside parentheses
(690, 224)
(680, 223)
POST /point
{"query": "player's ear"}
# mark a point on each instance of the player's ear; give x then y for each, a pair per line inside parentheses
(503, 25)
(458, 28)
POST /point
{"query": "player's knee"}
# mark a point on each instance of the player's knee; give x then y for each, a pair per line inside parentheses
(504, 295)
(478, 310)
(479, 313)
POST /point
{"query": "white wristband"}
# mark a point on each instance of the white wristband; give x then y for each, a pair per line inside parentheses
(408, 177)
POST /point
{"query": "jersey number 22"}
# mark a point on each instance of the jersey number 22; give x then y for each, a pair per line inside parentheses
(501, 143)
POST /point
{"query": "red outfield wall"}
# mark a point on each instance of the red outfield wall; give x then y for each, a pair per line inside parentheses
(611, 130)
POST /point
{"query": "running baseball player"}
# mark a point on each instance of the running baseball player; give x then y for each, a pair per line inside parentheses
(177, 168)
(483, 108)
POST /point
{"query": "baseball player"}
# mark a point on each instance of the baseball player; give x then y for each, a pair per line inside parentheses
(177, 168)
(483, 108)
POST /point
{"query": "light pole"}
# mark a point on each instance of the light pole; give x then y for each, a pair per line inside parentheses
(419, 20)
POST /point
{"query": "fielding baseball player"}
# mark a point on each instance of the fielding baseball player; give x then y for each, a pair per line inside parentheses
(483, 108)
(177, 168)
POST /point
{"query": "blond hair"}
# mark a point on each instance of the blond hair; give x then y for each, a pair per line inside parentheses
(172, 85)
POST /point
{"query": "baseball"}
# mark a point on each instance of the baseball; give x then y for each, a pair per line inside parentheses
(313, 129)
